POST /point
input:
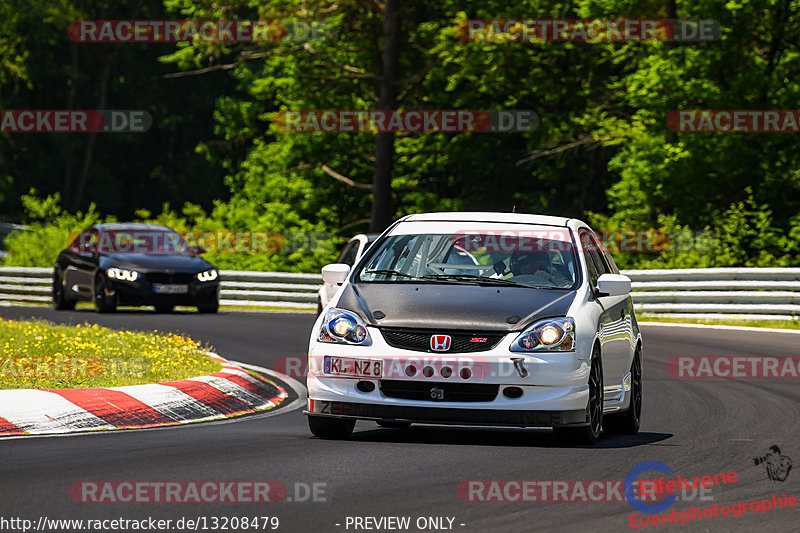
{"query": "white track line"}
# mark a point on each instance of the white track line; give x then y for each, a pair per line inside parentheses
(720, 326)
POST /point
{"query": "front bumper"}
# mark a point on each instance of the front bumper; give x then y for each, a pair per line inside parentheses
(138, 293)
(554, 386)
(443, 415)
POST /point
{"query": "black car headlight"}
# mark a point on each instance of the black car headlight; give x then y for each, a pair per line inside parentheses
(208, 275)
(343, 327)
(553, 334)
(123, 274)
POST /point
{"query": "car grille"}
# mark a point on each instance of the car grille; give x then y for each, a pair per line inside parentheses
(453, 392)
(163, 277)
(420, 340)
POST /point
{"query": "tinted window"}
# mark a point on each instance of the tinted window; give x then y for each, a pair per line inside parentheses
(348, 255)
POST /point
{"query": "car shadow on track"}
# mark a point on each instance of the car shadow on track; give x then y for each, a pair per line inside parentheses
(507, 437)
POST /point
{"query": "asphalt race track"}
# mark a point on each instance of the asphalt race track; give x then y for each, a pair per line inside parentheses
(696, 427)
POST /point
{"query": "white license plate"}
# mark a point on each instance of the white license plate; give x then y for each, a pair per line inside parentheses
(163, 288)
(357, 368)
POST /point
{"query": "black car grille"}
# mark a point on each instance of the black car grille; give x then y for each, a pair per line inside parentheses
(420, 340)
(452, 392)
(163, 277)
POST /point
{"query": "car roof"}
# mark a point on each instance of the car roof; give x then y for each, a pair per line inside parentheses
(485, 216)
(130, 226)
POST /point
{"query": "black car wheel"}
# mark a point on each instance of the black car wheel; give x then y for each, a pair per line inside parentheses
(589, 433)
(60, 300)
(103, 301)
(627, 423)
(330, 428)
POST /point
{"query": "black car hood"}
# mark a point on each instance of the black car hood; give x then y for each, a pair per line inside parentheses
(159, 262)
(454, 306)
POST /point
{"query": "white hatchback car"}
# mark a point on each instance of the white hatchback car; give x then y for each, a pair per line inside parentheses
(495, 319)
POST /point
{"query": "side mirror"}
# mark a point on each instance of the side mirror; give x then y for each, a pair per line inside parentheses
(335, 273)
(197, 249)
(613, 285)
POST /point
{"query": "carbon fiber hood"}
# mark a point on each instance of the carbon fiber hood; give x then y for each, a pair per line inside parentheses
(453, 306)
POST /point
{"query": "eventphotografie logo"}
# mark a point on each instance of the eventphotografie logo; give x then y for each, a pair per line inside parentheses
(74, 121)
(777, 465)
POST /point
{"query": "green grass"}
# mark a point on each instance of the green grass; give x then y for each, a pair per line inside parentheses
(779, 324)
(36, 354)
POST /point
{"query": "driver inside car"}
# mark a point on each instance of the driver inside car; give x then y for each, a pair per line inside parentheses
(536, 264)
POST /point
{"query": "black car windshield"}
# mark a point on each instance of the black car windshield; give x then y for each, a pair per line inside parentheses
(539, 257)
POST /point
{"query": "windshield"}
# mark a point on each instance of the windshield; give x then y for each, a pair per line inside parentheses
(537, 257)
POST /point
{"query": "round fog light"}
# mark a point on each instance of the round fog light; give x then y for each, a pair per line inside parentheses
(465, 373)
(411, 370)
(427, 371)
(365, 386)
(512, 392)
(447, 371)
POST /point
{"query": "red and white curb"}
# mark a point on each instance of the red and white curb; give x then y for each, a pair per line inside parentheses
(228, 393)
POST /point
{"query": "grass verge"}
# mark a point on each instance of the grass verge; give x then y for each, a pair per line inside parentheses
(777, 324)
(36, 354)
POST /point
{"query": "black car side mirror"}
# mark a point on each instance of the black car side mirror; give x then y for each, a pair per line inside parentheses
(197, 249)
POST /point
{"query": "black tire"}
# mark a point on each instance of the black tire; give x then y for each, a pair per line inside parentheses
(391, 424)
(103, 303)
(210, 307)
(164, 308)
(589, 433)
(330, 428)
(60, 300)
(627, 422)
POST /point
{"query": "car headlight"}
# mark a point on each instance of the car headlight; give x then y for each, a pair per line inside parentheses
(553, 334)
(208, 275)
(123, 274)
(343, 327)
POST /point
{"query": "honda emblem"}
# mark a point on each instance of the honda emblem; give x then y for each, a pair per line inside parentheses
(440, 343)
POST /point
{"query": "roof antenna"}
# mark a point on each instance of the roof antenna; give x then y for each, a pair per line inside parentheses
(514, 209)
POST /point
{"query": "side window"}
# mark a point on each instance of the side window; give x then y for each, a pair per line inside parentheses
(595, 249)
(610, 264)
(348, 255)
(591, 261)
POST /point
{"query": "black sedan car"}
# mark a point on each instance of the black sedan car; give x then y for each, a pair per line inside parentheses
(135, 265)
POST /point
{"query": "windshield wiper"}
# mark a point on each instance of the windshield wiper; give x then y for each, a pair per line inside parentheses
(476, 279)
(388, 272)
